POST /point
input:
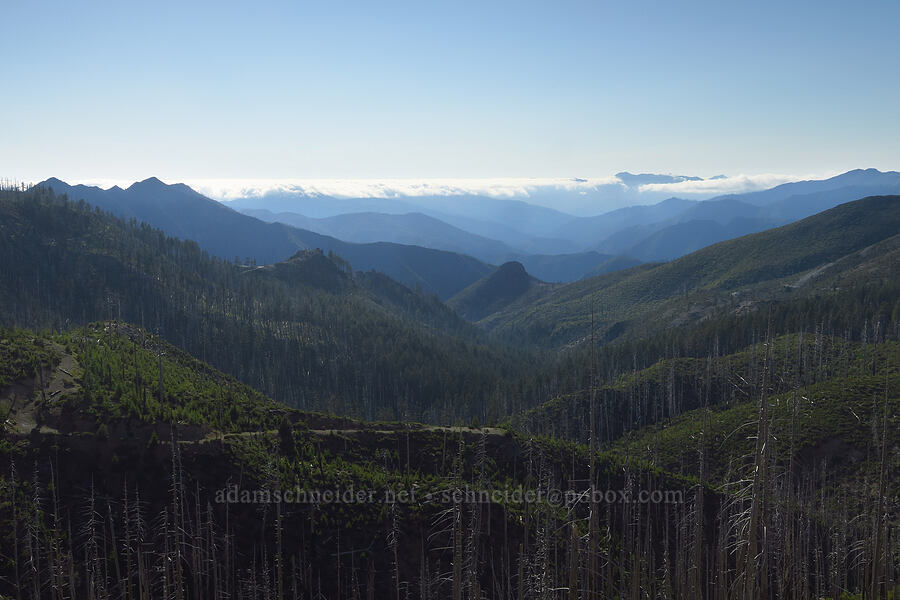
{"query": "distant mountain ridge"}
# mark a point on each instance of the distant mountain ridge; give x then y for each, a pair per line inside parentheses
(415, 229)
(552, 245)
(658, 233)
(853, 178)
(184, 213)
(646, 232)
(639, 179)
(792, 259)
(422, 230)
(307, 331)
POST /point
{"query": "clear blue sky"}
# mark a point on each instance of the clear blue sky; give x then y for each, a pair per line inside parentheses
(446, 89)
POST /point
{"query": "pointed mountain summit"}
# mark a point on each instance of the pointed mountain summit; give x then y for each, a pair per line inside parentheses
(53, 183)
(491, 294)
(149, 182)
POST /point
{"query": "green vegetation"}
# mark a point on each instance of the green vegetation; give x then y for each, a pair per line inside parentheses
(818, 255)
(156, 493)
(120, 379)
(508, 285)
(761, 407)
(306, 333)
(825, 415)
(21, 355)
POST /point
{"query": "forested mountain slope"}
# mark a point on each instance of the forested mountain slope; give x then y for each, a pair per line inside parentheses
(156, 463)
(135, 470)
(508, 285)
(765, 432)
(307, 332)
(118, 485)
(852, 244)
(183, 213)
(793, 429)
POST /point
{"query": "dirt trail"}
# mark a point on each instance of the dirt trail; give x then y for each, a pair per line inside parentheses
(492, 431)
(28, 400)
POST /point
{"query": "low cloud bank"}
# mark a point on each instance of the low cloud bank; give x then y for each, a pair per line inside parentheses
(577, 195)
(725, 185)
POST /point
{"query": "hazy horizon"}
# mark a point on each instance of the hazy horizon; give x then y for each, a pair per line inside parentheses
(577, 195)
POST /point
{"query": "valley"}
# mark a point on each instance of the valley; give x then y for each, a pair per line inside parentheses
(504, 438)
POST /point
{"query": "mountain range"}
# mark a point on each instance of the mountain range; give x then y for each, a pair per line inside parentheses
(665, 234)
(749, 386)
(854, 242)
(415, 249)
(181, 212)
(503, 229)
(418, 229)
(444, 244)
(334, 330)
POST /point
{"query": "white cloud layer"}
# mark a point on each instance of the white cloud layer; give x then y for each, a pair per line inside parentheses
(727, 185)
(582, 196)
(230, 189)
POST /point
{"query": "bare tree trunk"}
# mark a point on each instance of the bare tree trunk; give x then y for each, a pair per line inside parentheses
(879, 506)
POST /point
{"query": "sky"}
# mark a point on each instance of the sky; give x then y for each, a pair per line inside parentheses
(267, 91)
